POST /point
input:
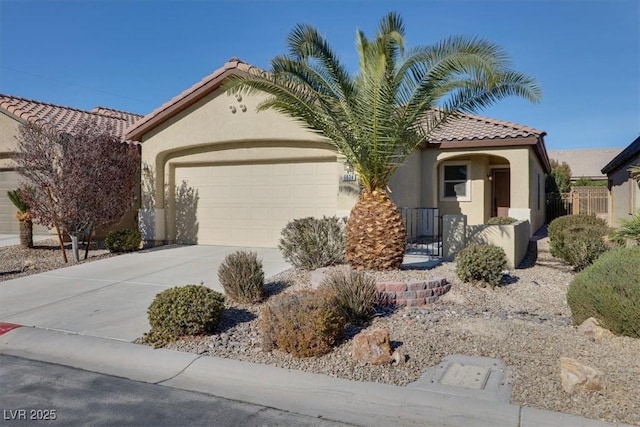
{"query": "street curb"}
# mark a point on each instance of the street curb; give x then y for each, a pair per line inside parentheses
(317, 395)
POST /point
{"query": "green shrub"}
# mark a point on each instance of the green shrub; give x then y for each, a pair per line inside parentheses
(609, 290)
(501, 220)
(303, 323)
(629, 230)
(355, 294)
(123, 240)
(583, 245)
(481, 264)
(183, 310)
(559, 227)
(312, 243)
(242, 277)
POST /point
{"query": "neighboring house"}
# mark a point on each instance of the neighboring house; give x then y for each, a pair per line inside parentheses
(625, 192)
(585, 163)
(15, 111)
(247, 174)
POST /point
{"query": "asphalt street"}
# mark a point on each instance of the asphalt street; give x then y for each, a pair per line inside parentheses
(36, 393)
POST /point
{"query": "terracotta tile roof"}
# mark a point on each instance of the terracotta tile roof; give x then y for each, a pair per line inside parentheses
(187, 97)
(64, 118)
(585, 163)
(473, 128)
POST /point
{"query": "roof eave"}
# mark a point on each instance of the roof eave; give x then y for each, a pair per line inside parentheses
(182, 101)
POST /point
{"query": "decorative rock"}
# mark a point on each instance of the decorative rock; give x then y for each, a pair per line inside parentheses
(317, 277)
(372, 347)
(399, 358)
(578, 377)
(591, 328)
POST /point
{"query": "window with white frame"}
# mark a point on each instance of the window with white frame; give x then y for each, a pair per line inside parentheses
(455, 182)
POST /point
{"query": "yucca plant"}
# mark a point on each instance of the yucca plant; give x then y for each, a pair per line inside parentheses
(379, 115)
(24, 217)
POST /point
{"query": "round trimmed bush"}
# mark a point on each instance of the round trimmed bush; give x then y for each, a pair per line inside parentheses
(481, 264)
(582, 245)
(355, 293)
(561, 226)
(311, 243)
(242, 277)
(501, 220)
(303, 323)
(183, 310)
(609, 290)
(123, 240)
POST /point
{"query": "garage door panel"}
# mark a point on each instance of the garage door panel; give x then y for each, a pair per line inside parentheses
(249, 204)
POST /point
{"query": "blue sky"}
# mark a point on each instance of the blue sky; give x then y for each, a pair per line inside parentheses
(135, 55)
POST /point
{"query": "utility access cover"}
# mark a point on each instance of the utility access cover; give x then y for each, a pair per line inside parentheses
(468, 376)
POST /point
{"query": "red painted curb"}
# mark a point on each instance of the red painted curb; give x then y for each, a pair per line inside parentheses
(6, 327)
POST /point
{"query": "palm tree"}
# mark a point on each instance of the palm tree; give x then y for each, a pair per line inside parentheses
(378, 116)
(24, 217)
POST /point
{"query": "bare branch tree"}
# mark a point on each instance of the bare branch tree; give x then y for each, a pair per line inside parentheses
(79, 181)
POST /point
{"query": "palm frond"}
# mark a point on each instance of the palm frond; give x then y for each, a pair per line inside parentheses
(378, 116)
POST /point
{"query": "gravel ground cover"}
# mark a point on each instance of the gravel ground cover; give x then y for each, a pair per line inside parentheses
(525, 323)
(45, 255)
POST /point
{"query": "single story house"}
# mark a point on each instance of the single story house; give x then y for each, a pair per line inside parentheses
(15, 111)
(625, 191)
(585, 163)
(221, 173)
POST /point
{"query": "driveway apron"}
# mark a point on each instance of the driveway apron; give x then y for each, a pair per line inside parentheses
(109, 298)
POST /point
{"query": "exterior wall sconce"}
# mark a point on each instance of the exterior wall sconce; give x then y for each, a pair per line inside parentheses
(490, 176)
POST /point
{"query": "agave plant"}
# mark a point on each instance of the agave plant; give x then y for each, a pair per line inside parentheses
(379, 115)
(24, 216)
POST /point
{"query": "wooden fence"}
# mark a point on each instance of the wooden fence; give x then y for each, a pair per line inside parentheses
(581, 200)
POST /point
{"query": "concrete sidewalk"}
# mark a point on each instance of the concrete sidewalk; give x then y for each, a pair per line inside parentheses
(86, 316)
(358, 403)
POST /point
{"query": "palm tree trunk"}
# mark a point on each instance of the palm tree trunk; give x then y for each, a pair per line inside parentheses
(375, 233)
(26, 233)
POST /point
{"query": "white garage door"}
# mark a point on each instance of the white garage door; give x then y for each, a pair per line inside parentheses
(249, 204)
(10, 180)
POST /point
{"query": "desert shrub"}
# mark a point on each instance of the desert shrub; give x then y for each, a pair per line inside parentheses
(312, 243)
(629, 230)
(481, 264)
(501, 220)
(609, 290)
(559, 227)
(123, 240)
(582, 245)
(303, 323)
(242, 277)
(183, 310)
(355, 293)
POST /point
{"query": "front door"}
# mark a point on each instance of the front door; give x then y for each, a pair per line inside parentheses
(501, 179)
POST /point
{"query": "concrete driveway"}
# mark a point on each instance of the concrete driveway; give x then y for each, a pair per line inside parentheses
(109, 298)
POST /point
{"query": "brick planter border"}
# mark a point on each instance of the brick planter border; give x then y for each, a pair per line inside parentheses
(413, 293)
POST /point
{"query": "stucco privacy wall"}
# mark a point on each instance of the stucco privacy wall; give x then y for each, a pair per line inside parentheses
(513, 238)
(221, 130)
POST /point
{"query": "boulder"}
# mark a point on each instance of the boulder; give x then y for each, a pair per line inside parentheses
(372, 347)
(591, 328)
(577, 377)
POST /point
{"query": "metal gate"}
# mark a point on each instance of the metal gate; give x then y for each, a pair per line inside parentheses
(424, 231)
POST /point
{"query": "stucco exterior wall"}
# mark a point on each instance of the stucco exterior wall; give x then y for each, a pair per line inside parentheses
(513, 238)
(407, 184)
(625, 194)
(481, 161)
(537, 198)
(8, 143)
(218, 130)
